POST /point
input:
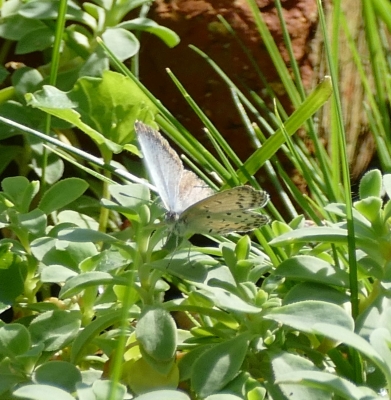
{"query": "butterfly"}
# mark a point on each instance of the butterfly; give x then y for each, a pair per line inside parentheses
(193, 207)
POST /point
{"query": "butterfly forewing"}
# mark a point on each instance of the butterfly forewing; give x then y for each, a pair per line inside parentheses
(177, 187)
(164, 166)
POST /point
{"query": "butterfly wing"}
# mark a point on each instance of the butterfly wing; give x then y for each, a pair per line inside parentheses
(225, 212)
(177, 187)
(163, 164)
(191, 190)
(237, 198)
(223, 223)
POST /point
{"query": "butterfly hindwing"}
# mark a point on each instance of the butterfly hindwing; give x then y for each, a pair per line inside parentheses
(225, 212)
(237, 198)
(222, 223)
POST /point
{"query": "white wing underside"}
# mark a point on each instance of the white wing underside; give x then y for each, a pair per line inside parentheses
(177, 187)
(192, 189)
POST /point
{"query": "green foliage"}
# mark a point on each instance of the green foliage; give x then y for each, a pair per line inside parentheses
(240, 323)
(32, 26)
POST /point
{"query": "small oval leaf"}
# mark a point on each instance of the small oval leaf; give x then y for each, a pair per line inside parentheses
(61, 194)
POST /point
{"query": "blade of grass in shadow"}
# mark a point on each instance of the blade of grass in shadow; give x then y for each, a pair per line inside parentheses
(323, 159)
(55, 62)
(353, 278)
(345, 168)
(297, 195)
(334, 124)
(223, 157)
(379, 130)
(250, 129)
(219, 143)
(312, 103)
(274, 54)
(288, 45)
(193, 147)
(269, 90)
(270, 172)
(135, 60)
(380, 121)
(300, 161)
(305, 157)
(251, 108)
(378, 61)
(247, 103)
(277, 173)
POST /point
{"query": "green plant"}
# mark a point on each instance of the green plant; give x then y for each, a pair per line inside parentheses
(271, 316)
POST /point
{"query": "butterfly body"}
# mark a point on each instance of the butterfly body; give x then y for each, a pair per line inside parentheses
(192, 207)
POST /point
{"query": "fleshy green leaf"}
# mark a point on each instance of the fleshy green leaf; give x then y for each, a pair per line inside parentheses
(20, 191)
(78, 283)
(12, 280)
(313, 269)
(121, 42)
(104, 108)
(229, 301)
(169, 37)
(156, 331)
(14, 340)
(142, 377)
(164, 395)
(285, 365)
(219, 365)
(42, 392)
(55, 329)
(15, 27)
(304, 315)
(371, 184)
(370, 207)
(103, 388)
(86, 335)
(61, 194)
(60, 374)
(48, 9)
(38, 40)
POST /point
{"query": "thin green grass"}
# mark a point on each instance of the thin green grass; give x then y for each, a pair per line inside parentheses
(54, 65)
